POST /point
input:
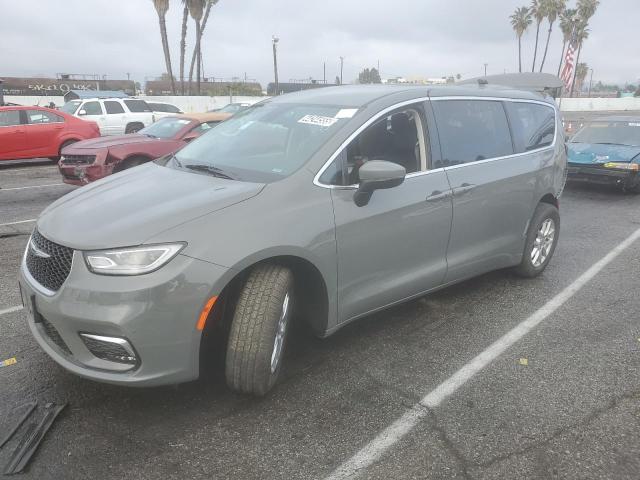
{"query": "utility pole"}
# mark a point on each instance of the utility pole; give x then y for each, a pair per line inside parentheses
(341, 66)
(590, 82)
(485, 69)
(274, 41)
(324, 72)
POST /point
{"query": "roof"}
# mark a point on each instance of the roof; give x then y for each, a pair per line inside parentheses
(360, 95)
(86, 94)
(206, 117)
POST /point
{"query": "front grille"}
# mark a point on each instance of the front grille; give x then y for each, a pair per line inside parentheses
(78, 159)
(50, 264)
(54, 336)
(107, 350)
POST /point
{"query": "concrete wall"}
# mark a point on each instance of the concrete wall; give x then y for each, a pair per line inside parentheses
(599, 104)
(188, 104)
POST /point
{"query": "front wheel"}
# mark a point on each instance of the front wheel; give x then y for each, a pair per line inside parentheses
(542, 238)
(259, 330)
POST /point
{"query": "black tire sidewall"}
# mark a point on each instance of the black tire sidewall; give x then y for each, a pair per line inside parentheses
(543, 212)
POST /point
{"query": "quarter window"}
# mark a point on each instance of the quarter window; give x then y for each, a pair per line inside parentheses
(534, 125)
(471, 130)
(9, 118)
(40, 116)
(113, 107)
(92, 108)
(137, 106)
(397, 137)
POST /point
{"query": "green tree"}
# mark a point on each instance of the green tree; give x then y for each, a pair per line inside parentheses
(538, 10)
(183, 41)
(553, 9)
(567, 22)
(520, 21)
(581, 73)
(162, 6)
(369, 76)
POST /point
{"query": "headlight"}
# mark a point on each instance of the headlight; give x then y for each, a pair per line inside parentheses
(624, 166)
(131, 261)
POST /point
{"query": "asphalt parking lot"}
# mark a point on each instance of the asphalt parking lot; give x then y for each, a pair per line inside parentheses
(562, 402)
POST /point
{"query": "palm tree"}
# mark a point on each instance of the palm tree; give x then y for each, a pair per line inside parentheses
(520, 21)
(538, 11)
(196, 8)
(162, 6)
(581, 73)
(567, 22)
(200, 26)
(586, 10)
(554, 9)
(582, 33)
(183, 42)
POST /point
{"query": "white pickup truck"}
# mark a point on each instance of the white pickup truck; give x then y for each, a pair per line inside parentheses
(114, 116)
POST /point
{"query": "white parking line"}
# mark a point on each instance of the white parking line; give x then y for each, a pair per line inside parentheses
(391, 435)
(32, 186)
(17, 223)
(17, 308)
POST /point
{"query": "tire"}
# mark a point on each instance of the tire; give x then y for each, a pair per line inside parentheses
(133, 128)
(544, 218)
(259, 328)
(64, 144)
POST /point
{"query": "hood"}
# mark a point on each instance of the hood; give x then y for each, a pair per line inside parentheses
(595, 153)
(112, 141)
(128, 208)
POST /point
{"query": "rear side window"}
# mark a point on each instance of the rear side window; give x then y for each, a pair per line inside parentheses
(40, 116)
(92, 108)
(113, 107)
(534, 125)
(9, 118)
(471, 130)
(163, 107)
(137, 106)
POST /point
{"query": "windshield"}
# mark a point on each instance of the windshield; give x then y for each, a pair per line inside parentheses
(71, 107)
(618, 133)
(266, 142)
(165, 128)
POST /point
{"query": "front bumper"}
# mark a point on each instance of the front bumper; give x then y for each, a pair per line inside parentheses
(83, 174)
(601, 175)
(155, 313)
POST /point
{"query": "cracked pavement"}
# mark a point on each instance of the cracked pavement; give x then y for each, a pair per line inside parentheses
(572, 412)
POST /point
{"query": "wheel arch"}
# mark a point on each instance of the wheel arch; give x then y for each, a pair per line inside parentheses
(550, 199)
(124, 163)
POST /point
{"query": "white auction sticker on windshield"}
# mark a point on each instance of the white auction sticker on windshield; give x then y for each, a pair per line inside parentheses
(318, 120)
(346, 113)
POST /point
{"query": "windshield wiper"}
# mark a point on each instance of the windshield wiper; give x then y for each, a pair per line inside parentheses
(211, 170)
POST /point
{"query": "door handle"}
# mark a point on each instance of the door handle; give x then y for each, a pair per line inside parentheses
(438, 195)
(464, 188)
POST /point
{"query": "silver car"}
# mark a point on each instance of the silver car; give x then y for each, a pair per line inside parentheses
(320, 206)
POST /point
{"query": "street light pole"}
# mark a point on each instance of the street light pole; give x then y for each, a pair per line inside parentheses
(274, 41)
(341, 65)
(485, 69)
(590, 82)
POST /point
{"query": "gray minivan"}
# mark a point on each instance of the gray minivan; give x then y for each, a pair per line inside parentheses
(324, 205)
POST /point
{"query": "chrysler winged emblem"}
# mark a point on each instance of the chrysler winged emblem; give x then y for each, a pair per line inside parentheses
(37, 251)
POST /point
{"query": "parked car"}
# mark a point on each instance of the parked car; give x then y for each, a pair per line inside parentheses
(91, 160)
(324, 205)
(232, 107)
(114, 116)
(33, 132)
(163, 109)
(607, 151)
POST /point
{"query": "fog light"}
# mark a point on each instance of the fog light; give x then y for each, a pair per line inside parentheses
(111, 349)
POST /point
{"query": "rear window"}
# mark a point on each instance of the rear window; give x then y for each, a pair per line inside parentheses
(113, 107)
(9, 118)
(471, 130)
(534, 125)
(137, 106)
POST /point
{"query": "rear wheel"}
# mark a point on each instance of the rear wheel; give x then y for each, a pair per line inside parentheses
(542, 238)
(133, 127)
(259, 330)
(62, 147)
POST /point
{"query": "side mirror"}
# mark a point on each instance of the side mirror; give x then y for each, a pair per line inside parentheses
(82, 112)
(190, 136)
(376, 175)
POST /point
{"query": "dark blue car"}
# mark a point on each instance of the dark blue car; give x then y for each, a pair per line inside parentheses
(607, 151)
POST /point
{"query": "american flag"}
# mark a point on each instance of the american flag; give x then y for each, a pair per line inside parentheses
(566, 75)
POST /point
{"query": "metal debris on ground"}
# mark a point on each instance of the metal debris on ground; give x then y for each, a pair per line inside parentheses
(32, 438)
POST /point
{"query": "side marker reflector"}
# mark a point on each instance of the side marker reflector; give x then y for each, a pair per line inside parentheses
(205, 313)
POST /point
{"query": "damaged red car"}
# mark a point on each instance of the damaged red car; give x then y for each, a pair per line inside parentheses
(89, 160)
